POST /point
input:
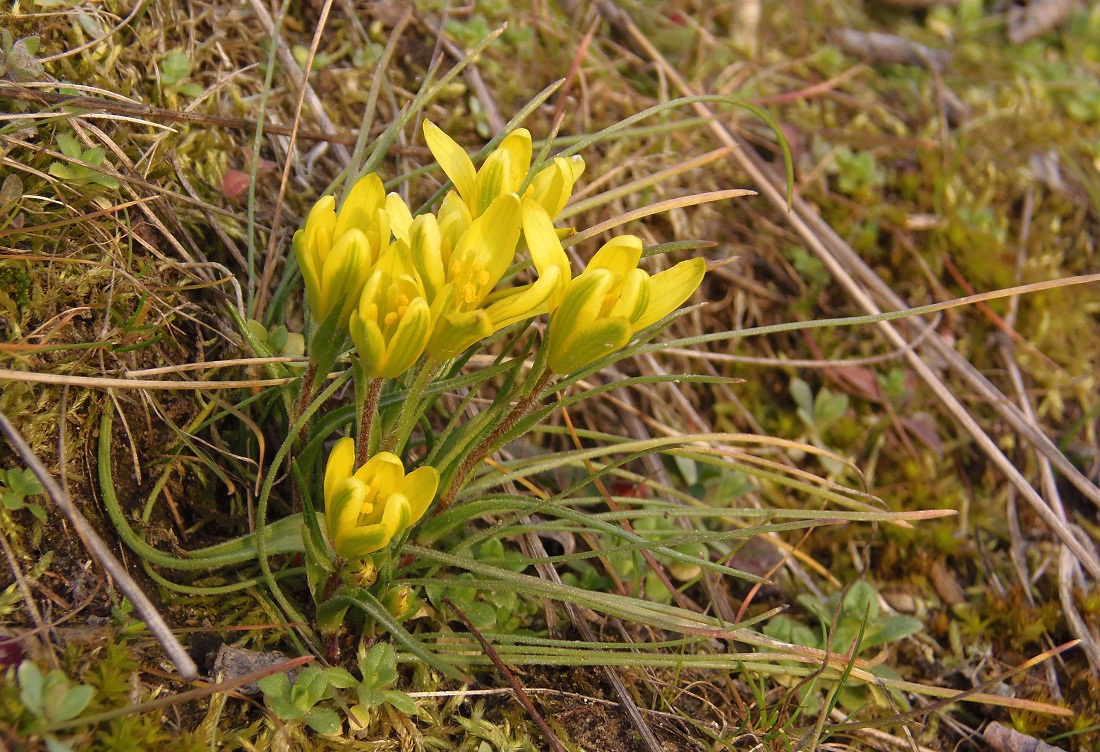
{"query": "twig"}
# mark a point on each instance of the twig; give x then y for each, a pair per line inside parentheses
(102, 554)
(524, 700)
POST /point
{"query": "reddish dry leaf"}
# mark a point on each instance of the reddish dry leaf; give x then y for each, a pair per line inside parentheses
(234, 184)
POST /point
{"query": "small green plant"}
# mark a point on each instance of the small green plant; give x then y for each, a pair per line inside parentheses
(378, 668)
(175, 69)
(818, 413)
(50, 699)
(15, 487)
(850, 623)
(858, 173)
(17, 60)
(296, 702)
(79, 174)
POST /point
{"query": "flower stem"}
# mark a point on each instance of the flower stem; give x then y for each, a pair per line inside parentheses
(306, 395)
(410, 411)
(489, 443)
(370, 407)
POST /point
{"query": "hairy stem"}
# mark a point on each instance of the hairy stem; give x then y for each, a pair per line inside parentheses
(370, 407)
(489, 443)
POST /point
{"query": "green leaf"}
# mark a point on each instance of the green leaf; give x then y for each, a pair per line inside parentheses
(275, 687)
(31, 688)
(175, 67)
(400, 700)
(323, 721)
(892, 629)
(69, 146)
(74, 702)
(340, 678)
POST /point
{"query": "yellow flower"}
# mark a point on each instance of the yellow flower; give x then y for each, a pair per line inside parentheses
(366, 509)
(390, 328)
(336, 250)
(459, 274)
(611, 300)
(504, 171)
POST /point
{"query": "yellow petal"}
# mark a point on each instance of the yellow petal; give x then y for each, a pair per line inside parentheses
(311, 276)
(546, 250)
(504, 170)
(409, 340)
(360, 208)
(553, 185)
(424, 254)
(454, 332)
(346, 271)
(346, 508)
(523, 302)
(634, 296)
(369, 343)
(581, 305)
(341, 463)
(454, 160)
(382, 472)
(366, 539)
(419, 488)
(618, 255)
(670, 288)
(401, 218)
(485, 251)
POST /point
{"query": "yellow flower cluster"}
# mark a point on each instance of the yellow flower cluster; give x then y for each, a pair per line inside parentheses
(403, 286)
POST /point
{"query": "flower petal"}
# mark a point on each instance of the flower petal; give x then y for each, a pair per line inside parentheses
(546, 249)
(454, 332)
(618, 255)
(382, 472)
(669, 289)
(419, 488)
(634, 296)
(589, 342)
(523, 302)
(425, 252)
(553, 185)
(360, 208)
(409, 340)
(504, 170)
(485, 250)
(369, 343)
(341, 463)
(401, 218)
(454, 160)
(346, 508)
(582, 302)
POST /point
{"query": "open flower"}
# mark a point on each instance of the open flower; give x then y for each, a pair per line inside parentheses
(336, 250)
(367, 508)
(390, 328)
(459, 274)
(599, 311)
(504, 171)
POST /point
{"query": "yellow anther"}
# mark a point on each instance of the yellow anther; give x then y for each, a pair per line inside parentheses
(391, 317)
